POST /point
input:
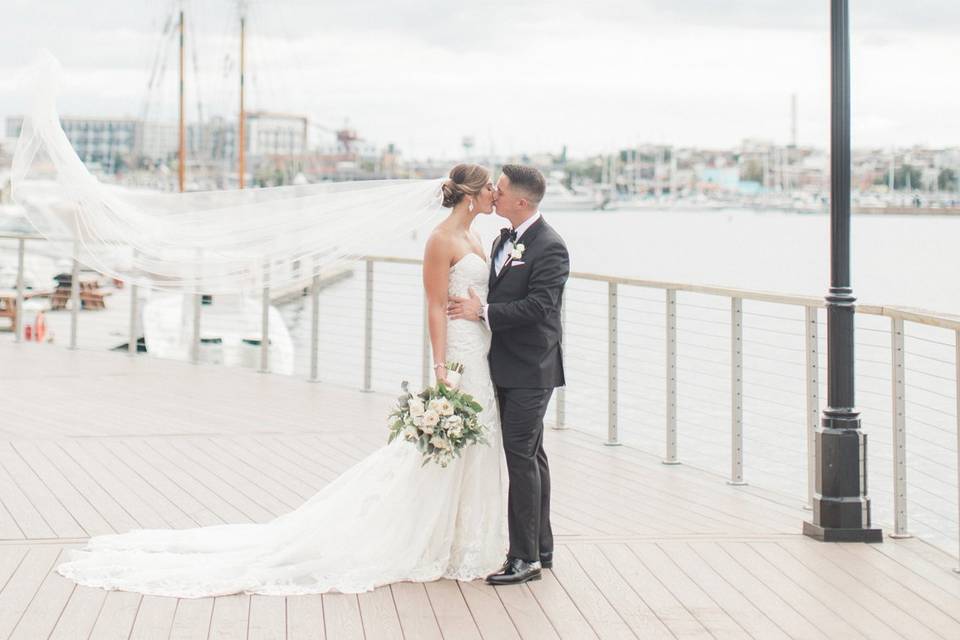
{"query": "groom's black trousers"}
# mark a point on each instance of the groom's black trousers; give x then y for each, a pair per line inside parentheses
(528, 503)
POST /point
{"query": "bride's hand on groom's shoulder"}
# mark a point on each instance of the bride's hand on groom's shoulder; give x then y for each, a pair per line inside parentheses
(465, 308)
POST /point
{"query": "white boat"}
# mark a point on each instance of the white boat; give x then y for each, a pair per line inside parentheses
(561, 198)
(230, 331)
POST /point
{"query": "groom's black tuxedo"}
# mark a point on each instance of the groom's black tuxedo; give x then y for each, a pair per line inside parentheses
(526, 363)
(524, 311)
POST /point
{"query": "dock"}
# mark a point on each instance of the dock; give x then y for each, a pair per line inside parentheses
(96, 442)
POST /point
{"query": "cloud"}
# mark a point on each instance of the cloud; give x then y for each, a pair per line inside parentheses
(527, 75)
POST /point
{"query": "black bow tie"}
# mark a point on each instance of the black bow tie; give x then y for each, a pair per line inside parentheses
(510, 234)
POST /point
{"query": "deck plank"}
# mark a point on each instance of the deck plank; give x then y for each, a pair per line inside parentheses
(669, 609)
(453, 614)
(154, 619)
(268, 618)
(561, 609)
(20, 590)
(305, 618)
(415, 611)
(379, 614)
(117, 615)
(891, 610)
(43, 612)
(526, 613)
(631, 607)
(488, 610)
(230, 616)
(192, 619)
(756, 592)
(341, 616)
(90, 521)
(80, 614)
(643, 550)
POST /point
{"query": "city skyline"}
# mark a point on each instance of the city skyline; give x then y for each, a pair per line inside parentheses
(531, 78)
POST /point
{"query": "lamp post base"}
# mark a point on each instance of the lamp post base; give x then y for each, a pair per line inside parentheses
(831, 534)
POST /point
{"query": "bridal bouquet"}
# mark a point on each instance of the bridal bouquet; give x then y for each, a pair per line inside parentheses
(439, 420)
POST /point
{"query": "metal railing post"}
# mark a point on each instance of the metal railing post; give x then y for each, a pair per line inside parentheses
(813, 398)
(196, 301)
(315, 326)
(75, 294)
(671, 376)
(613, 436)
(18, 318)
(265, 321)
(368, 331)
(561, 420)
(956, 374)
(425, 365)
(132, 344)
(736, 392)
(898, 395)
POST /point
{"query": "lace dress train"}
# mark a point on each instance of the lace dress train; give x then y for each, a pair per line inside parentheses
(386, 519)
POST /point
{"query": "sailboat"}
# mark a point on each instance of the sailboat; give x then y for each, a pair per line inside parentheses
(230, 325)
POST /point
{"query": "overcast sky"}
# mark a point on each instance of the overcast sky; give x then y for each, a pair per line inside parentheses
(524, 75)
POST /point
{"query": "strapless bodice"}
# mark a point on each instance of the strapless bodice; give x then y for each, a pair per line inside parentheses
(468, 339)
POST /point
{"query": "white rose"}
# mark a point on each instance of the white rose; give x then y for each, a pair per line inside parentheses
(440, 442)
(430, 418)
(416, 406)
(418, 420)
(445, 407)
(516, 254)
(521, 248)
(455, 425)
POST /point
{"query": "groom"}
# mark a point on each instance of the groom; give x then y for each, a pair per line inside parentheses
(529, 268)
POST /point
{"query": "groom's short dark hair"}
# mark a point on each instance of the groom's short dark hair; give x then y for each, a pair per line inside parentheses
(528, 179)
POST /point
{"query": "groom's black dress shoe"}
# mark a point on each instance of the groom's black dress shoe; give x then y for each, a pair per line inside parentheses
(515, 571)
(546, 560)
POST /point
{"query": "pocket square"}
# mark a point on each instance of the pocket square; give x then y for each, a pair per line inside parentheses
(517, 263)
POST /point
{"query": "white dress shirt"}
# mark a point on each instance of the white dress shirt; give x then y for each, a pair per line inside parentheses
(503, 252)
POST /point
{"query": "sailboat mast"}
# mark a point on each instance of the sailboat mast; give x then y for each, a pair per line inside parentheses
(182, 142)
(241, 138)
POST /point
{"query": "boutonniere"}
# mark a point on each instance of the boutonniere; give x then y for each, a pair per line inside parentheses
(517, 252)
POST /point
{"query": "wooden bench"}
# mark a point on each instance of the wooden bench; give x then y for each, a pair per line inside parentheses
(93, 298)
(8, 309)
(8, 303)
(91, 295)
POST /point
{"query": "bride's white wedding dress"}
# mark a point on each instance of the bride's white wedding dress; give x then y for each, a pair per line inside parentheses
(385, 520)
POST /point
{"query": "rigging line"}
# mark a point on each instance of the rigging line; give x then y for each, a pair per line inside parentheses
(197, 83)
(296, 91)
(298, 61)
(159, 62)
(164, 58)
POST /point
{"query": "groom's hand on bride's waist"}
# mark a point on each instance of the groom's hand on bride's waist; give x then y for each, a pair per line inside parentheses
(465, 308)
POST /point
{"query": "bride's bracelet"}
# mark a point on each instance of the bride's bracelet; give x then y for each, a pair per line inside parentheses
(438, 365)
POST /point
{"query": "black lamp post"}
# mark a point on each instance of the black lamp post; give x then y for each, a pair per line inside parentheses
(841, 506)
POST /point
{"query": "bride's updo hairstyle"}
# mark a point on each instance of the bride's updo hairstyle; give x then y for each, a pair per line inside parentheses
(465, 180)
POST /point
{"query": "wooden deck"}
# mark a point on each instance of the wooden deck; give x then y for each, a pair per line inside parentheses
(94, 442)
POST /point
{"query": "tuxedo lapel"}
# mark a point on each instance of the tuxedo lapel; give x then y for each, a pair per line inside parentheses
(526, 240)
(503, 270)
(493, 263)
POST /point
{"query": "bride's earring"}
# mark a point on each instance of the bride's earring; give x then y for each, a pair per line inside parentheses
(470, 207)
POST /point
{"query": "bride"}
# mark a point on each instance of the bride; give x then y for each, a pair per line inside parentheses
(387, 519)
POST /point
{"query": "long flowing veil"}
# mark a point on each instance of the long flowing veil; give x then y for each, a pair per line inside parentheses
(210, 242)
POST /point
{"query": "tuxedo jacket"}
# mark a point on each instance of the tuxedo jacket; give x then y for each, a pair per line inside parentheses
(523, 312)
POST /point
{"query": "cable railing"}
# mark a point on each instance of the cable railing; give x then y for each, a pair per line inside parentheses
(728, 380)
